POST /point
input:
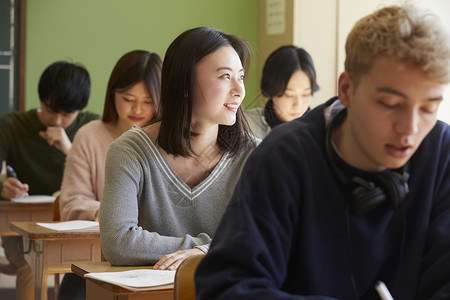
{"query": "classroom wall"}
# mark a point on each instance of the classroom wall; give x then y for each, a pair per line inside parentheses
(322, 26)
(97, 32)
(276, 29)
(316, 31)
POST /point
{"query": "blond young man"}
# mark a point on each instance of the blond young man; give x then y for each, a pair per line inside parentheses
(356, 191)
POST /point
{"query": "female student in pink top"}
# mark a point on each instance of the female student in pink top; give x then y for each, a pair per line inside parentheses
(132, 98)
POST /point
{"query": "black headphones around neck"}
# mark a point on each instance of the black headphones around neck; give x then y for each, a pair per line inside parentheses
(388, 186)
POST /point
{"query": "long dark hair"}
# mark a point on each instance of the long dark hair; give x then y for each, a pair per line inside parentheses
(178, 77)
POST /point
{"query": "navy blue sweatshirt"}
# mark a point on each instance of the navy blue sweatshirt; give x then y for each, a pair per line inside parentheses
(287, 232)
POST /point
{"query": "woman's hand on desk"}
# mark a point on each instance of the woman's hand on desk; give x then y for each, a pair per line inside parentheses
(13, 188)
(173, 260)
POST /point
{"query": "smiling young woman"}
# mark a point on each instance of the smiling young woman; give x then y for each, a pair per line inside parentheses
(167, 184)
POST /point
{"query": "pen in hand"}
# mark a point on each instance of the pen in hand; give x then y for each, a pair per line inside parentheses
(383, 291)
(11, 173)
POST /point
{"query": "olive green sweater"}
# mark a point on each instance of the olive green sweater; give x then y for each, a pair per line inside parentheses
(35, 162)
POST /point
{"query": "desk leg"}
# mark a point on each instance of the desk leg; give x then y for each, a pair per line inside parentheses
(35, 258)
(56, 285)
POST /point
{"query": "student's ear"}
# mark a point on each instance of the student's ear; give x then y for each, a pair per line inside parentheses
(345, 88)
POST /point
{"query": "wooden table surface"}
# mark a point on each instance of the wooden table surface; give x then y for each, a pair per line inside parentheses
(81, 268)
(16, 211)
(33, 231)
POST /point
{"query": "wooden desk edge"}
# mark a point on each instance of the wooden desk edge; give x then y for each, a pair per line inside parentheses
(78, 268)
(8, 205)
(28, 229)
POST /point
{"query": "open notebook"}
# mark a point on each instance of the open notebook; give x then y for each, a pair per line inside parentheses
(138, 280)
(76, 225)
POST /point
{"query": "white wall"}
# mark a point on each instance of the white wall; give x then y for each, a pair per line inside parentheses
(322, 26)
(315, 31)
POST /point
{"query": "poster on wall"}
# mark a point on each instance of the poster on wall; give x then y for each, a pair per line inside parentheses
(275, 16)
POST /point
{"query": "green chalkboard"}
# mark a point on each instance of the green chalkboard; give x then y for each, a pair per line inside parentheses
(9, 55)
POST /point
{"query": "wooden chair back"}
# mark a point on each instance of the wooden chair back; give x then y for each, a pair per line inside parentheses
(184, 288)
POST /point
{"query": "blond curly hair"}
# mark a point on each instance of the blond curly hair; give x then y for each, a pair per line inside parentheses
(403, 32)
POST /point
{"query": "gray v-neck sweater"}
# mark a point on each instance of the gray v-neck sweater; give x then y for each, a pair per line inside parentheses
(147, 211)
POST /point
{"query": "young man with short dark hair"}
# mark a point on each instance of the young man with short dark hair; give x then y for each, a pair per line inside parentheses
(35, 144)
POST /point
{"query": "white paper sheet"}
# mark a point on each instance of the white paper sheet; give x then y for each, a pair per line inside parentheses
(138, 280)
(76, 225)
(35, 199)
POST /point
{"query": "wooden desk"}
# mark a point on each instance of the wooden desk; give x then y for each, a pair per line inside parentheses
(52, 252)
(96, 289)
(13, 211)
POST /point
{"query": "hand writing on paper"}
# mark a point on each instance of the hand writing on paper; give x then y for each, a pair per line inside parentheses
(13, 188)
(173, 260)
(57, 137)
